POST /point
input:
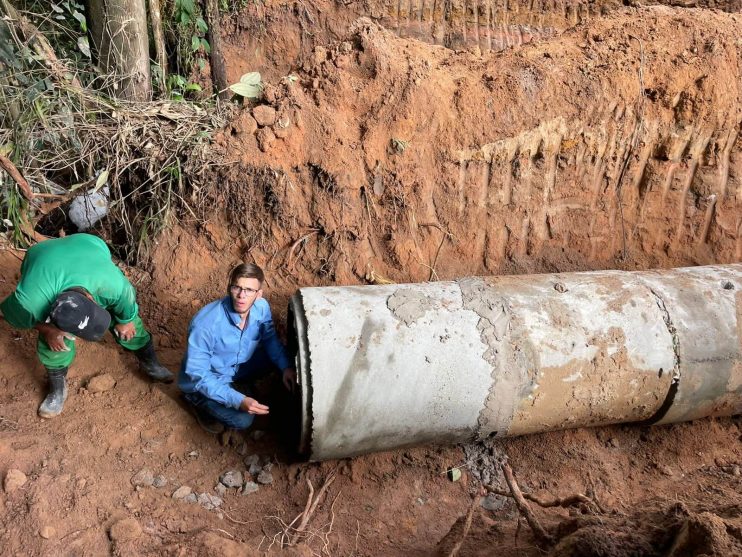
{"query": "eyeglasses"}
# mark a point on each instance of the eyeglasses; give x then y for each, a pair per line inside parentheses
(238, 290)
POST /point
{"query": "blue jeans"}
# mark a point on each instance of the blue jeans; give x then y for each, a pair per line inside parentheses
(256, 367)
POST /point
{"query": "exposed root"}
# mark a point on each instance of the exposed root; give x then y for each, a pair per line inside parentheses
(467, 526)
(542, 536)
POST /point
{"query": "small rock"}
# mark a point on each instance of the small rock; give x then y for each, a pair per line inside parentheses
(242, 449)
(251, 459)
(666, 470)
(613, 442)
(250, 487)
(101, 383)
(182, 492)
(736, 470)
(47, 532)
(190, 498)
(494, 502)
(559, 287)
(232, 478)
(209, 502)
(14, 479)
(220, 489)
(255, 469)
(266, 138)
(264, 115)
(192, 454)
(143, 478)
(268, 466)
(257, 435)
(159, 481)
(127, 529)
(265, 478)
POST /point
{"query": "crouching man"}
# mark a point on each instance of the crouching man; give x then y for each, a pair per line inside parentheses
(70, 288)
(231, 342)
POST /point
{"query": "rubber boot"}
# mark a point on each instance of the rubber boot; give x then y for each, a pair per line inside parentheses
(54, 401)
(150, 365)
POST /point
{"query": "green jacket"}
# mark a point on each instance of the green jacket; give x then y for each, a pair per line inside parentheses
(53, 266)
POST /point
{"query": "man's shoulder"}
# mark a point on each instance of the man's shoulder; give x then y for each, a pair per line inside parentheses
(263, 308)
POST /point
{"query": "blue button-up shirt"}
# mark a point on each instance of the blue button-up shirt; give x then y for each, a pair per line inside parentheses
(217, 347)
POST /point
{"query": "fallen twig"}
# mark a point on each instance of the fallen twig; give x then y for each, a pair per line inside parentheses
(542, 536)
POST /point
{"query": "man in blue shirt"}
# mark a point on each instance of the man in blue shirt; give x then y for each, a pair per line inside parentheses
(230, 341)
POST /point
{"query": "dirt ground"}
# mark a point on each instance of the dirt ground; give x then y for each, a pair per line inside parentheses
(428, 141)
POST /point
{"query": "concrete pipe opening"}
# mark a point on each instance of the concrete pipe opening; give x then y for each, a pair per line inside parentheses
(385, 367)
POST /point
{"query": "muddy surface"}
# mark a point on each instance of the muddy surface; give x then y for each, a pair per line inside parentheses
(420, 142)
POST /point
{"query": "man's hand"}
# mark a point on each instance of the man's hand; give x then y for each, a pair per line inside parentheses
(252, 406)
(289, 378)
(125, 331)
(54, 337)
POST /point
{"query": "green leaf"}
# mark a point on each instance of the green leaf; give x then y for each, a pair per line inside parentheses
(184, 18)
(83, 45)
(57, 9)
(193, 87)
(201, 25)
(81, 18)
(247, 90)
(252, 78)
(195, 43)
(206, 45)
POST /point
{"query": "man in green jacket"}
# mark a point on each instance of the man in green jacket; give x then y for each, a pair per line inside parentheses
(71, 288)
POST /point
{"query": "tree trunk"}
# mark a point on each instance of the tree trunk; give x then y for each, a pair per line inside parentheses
(119, 32)
(216, 60)
(155, 19)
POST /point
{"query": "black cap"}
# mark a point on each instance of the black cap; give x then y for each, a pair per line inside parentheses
(75, 313)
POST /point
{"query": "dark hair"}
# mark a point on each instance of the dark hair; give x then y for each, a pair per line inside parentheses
(246, 270)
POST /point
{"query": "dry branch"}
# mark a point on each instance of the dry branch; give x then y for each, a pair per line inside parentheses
(18, 178)
(542, 537)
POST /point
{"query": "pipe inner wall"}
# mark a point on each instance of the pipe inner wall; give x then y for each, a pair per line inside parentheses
(385, 367)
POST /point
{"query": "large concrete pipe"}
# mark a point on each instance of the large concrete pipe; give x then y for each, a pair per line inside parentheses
(383, 367)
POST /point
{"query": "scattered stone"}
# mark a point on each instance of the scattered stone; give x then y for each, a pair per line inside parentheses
(613, 442)
(220, 489)
(494, 502)
(190, 498)
(192, 454)
(266, 138)
(101, 383)
(143, 478)
(209, 502)
(159, 481)
(264, 115)
(250, 487)
(242, 449)
(559, 287)
(666, 470)
(14, 479)
(265, 478)
(251, 459)
(736, 471)
(47, 532)
(268, 466)
(232, 478)
(182, 492)
(255, 469)
(257, 435)
(126, 529)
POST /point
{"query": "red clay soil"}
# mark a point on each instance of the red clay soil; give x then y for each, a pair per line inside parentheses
(612, 144)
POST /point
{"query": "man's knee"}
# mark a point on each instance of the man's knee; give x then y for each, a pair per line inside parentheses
(238, 420)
